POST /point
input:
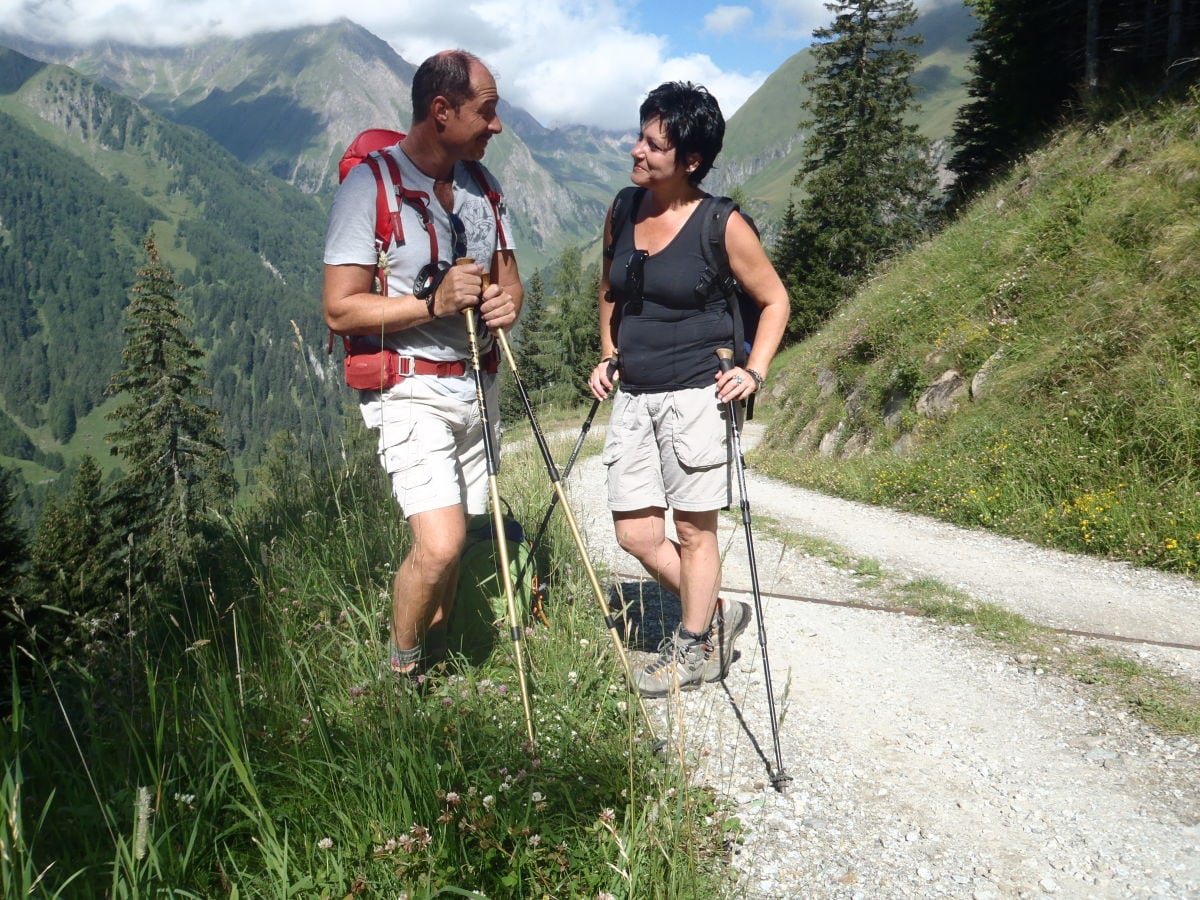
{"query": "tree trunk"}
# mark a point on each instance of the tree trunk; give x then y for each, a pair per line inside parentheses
(1174, 31)
(1091, 69)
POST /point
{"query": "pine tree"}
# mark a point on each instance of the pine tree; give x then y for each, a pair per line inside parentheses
(535, 365)
(76, 599)
(1037, 63)
(867, 175)
(575, 291)
(1023, 74)
(177, 473)
(12, 566)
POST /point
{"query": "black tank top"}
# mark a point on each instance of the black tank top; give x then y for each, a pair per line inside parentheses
(668, 340)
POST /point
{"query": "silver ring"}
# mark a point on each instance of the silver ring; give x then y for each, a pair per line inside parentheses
(737, 379)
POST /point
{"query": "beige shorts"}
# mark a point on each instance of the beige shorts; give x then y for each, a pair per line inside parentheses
(668, 450)
(432, 447)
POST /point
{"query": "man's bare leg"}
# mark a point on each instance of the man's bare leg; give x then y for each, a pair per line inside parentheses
(423, 591)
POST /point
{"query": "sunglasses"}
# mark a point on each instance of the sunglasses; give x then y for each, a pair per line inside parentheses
(635, 277)
(460, 236)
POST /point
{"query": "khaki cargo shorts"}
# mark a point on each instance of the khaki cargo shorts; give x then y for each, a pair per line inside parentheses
(431, 446)
(668, 450)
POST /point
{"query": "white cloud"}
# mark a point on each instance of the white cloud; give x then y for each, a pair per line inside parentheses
(725, 20)
(730, 88)
(795, 19)
(565, 61)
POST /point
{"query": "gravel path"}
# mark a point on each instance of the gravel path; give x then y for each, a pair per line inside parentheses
(926, 763)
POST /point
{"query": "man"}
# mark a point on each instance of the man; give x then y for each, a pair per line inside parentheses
(430, 430)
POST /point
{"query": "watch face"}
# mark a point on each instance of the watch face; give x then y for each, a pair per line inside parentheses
(429, 278)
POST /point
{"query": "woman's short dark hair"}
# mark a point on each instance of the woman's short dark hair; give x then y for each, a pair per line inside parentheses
(692, 121)
(446, 74)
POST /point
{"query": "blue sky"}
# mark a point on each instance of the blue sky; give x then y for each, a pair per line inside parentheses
(739, 36)
(565, 61)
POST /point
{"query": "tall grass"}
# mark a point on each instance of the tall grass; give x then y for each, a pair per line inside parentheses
(1072, 285)
(260, 748)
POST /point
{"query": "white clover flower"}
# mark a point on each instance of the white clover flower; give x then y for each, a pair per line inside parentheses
(489, 801)
(325, 843)
(537, 797)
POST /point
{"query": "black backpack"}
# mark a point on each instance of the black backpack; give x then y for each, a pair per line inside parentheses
(717, 278)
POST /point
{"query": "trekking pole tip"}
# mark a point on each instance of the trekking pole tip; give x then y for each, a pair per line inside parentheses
(780, 780)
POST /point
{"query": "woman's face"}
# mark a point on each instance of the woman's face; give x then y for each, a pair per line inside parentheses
(654, 161)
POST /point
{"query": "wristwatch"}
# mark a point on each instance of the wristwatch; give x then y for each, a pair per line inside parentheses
(426, 283)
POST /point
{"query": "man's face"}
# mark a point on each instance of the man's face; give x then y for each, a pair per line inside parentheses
(473, 124)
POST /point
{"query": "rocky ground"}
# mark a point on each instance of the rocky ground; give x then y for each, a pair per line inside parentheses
(924, 761)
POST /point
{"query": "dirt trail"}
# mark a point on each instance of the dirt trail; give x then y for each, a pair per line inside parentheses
(926, 762)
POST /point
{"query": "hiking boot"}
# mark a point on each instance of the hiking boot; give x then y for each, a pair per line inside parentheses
(680, 665)
(729, 621)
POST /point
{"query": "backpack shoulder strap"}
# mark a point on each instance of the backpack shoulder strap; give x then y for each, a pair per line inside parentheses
(493, 197)
(718, 275)
(712, 241)
(624, 205)
(388, 187)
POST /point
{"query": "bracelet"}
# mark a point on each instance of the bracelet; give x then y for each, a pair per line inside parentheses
(758, 378)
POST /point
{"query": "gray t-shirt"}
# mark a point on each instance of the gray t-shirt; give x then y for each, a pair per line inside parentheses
(350, 239)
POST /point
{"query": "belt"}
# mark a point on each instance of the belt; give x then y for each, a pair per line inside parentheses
(411, 365)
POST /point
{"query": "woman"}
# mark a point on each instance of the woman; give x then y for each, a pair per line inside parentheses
(668, 444)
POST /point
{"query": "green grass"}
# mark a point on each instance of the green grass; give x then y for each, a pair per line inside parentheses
(1074, 280)
(252, 745)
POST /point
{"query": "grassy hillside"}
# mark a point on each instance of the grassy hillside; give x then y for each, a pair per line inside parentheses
(1057, 317)
(255, 745)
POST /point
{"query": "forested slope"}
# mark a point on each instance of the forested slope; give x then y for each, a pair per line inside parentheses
(88, 173)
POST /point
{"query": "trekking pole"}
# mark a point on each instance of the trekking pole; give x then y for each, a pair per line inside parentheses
(780, 778)
(556, 483)
(566, 473)
(489, 449)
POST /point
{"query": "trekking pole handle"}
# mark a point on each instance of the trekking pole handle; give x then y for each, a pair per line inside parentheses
(614, 364)
(470, 261)
(725, 358)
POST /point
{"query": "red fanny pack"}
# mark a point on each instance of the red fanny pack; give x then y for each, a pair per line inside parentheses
(375, 370)
(371, 369)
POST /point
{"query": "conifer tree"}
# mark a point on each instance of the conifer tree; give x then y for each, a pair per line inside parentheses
(577, 289)
(867, 174)
(75, 595)
(177, 473)
(1022, 75)
(537, 337)
(12, 566)
(1036, 64)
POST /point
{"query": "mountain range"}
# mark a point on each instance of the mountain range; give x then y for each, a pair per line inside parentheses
(287, 102)
(227, 150)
